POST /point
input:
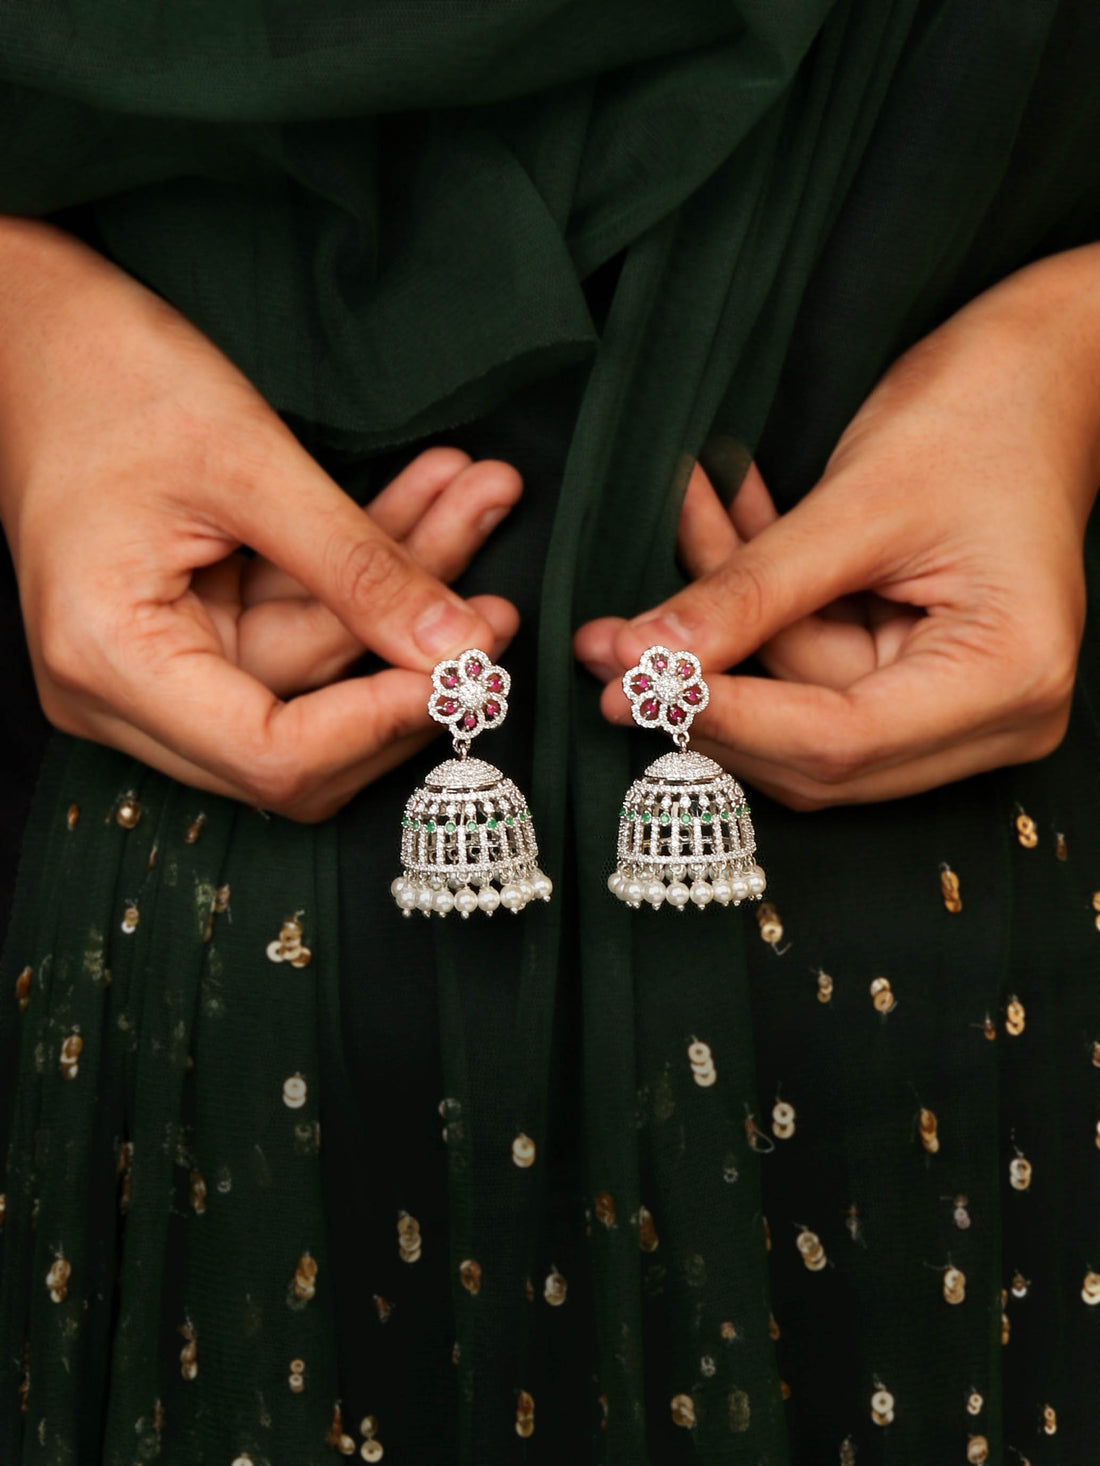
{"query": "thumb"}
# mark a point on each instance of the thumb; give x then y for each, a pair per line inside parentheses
(300, 519)
(829, 545)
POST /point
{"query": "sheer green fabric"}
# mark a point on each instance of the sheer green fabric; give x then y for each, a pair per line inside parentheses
(598, 241)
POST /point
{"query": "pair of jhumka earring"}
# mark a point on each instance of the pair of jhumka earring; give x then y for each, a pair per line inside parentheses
(468, 840)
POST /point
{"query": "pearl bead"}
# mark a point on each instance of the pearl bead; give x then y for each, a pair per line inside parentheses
(511, 898)
(701, 893)
(614, 881)
(632, 893)
(406, 898)
(465, 900)
(397, 886)
(443, 901)
(527, 891)
(722, 891)
(739, 888)
(424, 897)
(678, 895)
(655, 893)
(488, 899)
(757, 881)
(542, 885)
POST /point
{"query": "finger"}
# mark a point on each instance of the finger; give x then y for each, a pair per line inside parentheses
(594, 646)
(293, 646)
(922, 705)
(400, 506)
(705, 537)
(459, 521)
(289, 510)
(915, 777)
(752, 509)
(827, 546)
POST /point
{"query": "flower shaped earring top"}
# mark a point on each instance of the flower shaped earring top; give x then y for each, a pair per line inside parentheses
(468, 840)
(685, 832)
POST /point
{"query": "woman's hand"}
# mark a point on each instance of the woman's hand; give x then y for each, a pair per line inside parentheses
(953, 509)
(135, 461)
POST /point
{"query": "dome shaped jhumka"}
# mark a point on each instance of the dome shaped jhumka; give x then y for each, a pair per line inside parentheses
(468, 840)
(685, 832)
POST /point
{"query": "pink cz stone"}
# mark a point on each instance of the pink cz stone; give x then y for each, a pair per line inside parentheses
(641, 683)
(650, 708)
(491, 708)
(685, 669)
(494, 683)
(450, 680)
(676, 714)
(693, 695)
(660, 663)
(447, 706)
(469, 721)
(473, 669)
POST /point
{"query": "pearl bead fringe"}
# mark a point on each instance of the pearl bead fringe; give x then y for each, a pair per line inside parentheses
(440, 898)
(707, 884)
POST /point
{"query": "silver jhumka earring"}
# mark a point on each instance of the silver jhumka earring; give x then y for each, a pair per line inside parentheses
(685, 833)
(468, 841)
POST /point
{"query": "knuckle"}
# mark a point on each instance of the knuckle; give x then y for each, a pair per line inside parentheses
(275, 782)
(444, 461)
(369, 573)
(1049, 736)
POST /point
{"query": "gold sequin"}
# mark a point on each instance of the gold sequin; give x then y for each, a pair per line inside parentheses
(1060, 847)
(1014, 1016)
(882, 1407)
(773, 1327)
(1096, 900)
(189, 1354)
(57, 1279)
(523, 1151)
(784, 1390)
(1019, 1285)
(555, 1288)
(221, 900)
(605, 1208)
(974, 1403)
(782, 1120)
(529, 1290)
(954, 1285)
(1090, 1289)
(305, 1278)
(130, 918)
(727, 1330)
(683, 1411)
(813, 1253)
(525, 1414)
(929, 1136)
(1026, 832)
(72, 816)
(771, 926)
(371, 1451)
(194, 829)
(949, 887)
(648, 1240)
(296, 1382)
(128, 812)
(882, 995)
(1006, 1328)
(989, 1028)
(470, 1273)
(1019, 1173)
(824, 987)
(71, 1050)
(3, 1208)
(408, 1237)
(847, 1451)
(977, 1449)
(758, 1140)
(23, 988)
(702, 1064)
(294, 1092)
(287, 947)
(853, 1222)
(243, 1460)
(382, 1307)
(1050, 1420)
(198, 1192)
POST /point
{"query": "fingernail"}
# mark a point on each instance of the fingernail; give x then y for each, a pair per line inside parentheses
(491, 518)
(443, 627)
(666, 630)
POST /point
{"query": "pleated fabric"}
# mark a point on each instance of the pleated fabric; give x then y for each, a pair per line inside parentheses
(454, 1192)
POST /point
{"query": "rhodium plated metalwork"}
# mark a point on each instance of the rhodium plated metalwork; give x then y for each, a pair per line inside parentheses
(468, 840)
(685, 832)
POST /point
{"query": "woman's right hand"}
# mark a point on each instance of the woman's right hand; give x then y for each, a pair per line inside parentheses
(135, 461)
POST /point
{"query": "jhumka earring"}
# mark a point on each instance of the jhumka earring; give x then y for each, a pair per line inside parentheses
(685, 833)
(468, 842)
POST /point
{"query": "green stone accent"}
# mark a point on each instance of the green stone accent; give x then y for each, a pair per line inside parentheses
(523, 816)
(416, 824)
(622, 813)
(450, 827)
(725, 814)
(430, 827)
(405, 823)
(706, 816)
(491, 824)
(646, 818)
(630, 814)
(666, 818)
(685, 818)
(509, 820)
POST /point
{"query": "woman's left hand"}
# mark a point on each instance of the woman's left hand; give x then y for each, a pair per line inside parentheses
(953, 510)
